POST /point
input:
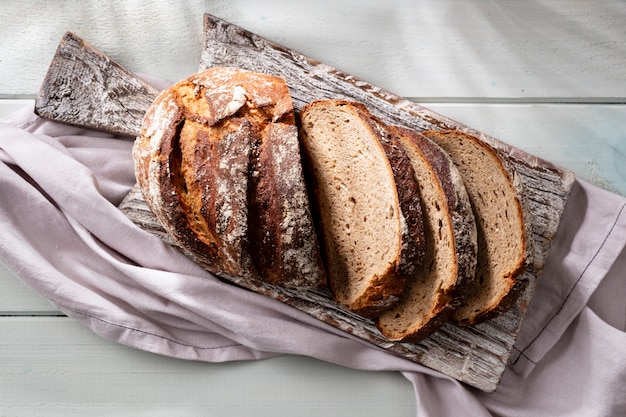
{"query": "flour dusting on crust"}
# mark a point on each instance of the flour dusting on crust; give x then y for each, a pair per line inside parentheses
(218, 163)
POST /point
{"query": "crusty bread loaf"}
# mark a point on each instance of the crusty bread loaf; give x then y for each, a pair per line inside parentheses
(355, 173)
(430, 296)
(503, 238)
(218, 163)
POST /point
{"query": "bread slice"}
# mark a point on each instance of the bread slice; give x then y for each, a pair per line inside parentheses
(430, 295)
(218, 163)
(355, 174)
(407, 187)
(504, 242)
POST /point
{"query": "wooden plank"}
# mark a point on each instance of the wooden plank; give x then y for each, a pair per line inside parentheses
(587, 139)
(86, 88)
(57, 367)
(229, 45)
(566, 49)
(475, 355)
(160, 38)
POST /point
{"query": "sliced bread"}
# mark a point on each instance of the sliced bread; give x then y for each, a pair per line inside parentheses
(218, 163)
(366, 241)
(430, 295)
(504, 242)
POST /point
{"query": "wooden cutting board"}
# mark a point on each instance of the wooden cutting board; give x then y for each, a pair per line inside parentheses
(115, 101)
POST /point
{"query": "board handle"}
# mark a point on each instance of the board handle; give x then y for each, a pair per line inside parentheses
(84, 87)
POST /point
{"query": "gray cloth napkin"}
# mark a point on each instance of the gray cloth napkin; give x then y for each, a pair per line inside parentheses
(64, 237)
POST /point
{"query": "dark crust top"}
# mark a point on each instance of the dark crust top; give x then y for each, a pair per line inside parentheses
(288, 248)
(223, 243)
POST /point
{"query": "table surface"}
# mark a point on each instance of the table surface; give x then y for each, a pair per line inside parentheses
(547, 77)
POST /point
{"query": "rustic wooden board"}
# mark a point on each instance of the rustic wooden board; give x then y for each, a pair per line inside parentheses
(86, 88)
(476, 355)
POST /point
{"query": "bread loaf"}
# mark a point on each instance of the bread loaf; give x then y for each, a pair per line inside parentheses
(430, 295)
(218, 163)
(504, 242)
(356, 170)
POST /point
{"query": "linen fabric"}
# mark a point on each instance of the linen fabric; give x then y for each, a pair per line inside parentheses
(62, 234)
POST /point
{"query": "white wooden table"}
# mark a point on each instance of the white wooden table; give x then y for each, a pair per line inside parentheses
(547, 77)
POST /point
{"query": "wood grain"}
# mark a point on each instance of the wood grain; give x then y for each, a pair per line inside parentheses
(475, 355)
(86, 88)
(459, 51)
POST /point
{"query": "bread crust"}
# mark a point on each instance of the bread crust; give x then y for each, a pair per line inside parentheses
(458, 204)
(281, 219)
(210, 148)
(384, 288)
(413, 239)
(513, 279)
(450, 204)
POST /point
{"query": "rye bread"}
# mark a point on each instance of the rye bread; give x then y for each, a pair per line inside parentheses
(504, 238)
(355, 171)
(430, 296)
(218, 163)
